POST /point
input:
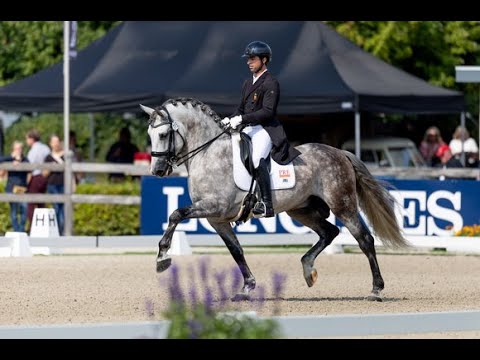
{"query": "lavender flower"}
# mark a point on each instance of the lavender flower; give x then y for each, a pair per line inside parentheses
(278, 283)
(260, 290)
(174, 287)
(204, 270)
(208, 300)
(195, 327)
(220, 277)
(193, 295)
(237, 278)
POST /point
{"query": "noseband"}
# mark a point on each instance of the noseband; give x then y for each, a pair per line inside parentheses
(172, 159)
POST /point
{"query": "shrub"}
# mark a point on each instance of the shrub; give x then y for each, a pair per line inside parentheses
(95, 219)
(212, 316)
(106, 219)
(5, 223)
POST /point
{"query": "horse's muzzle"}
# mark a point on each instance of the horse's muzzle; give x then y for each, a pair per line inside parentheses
(161, 169)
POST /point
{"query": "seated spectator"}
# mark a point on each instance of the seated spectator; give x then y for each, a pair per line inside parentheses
(430, 144)
(446, 159)
(122, 152)
(470, 147)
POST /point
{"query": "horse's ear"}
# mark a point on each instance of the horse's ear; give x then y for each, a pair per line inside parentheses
(147, 109)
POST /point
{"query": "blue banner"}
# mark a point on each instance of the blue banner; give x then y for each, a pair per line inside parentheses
(424, 207)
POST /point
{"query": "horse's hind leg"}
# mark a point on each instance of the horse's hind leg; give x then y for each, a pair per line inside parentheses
(360, 232)
(315, 220)
(230, 239)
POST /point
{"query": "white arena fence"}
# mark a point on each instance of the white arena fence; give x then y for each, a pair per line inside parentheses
(146, 243)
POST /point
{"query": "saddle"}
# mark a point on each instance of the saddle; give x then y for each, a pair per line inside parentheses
(250, 199)
(246, 148)
(281, 176)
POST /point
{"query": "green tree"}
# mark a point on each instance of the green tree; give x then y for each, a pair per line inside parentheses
(30, 46)
(427, 49)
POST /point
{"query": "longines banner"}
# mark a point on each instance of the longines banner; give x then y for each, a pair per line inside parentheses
(425, 207)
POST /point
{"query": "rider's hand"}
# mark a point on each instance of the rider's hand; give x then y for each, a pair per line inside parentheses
(225, 122)
(235, 121)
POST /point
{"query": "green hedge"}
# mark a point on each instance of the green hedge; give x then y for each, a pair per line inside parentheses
(104, 219)
(5, 223)
(95, 219)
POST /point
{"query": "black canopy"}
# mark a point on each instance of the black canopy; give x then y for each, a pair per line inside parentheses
(148, 62)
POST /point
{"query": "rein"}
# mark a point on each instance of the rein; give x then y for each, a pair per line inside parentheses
(172, 158)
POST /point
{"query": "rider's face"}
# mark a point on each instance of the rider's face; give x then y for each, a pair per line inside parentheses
(255, 64)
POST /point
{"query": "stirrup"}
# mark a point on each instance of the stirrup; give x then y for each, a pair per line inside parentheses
(260, 210)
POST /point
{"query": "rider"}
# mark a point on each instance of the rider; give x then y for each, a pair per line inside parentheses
(257, 110)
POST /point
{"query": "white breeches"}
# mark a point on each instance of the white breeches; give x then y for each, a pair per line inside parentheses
(261, 142)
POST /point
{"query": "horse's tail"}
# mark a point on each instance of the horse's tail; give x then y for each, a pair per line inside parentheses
(377, 204)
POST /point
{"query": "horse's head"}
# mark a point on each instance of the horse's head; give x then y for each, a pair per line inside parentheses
(166, 140)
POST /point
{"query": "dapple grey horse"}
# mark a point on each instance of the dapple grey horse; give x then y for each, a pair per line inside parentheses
(327, 179)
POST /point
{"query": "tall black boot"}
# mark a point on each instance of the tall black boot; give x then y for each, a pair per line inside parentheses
(263, 208)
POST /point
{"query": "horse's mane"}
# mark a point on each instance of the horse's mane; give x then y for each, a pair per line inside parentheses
(207, 110)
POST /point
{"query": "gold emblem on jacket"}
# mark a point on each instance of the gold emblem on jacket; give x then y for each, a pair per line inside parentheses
(255, 96)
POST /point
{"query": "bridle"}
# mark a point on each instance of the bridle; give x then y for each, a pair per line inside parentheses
(171, 157)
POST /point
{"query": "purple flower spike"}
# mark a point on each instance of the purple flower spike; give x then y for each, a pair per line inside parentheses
(174, 285)
(204, 270)
(208, 301)
(193, 295)
(260, 290)
(220, 278)
(237, 278)
(195, 328)
(278, 283)
(149, 308)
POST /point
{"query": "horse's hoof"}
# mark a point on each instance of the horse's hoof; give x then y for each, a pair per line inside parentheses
(374, 298)
(312, 277)
(163, 264)
(241, 297)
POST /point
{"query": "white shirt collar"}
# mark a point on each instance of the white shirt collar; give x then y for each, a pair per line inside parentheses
(258, 77)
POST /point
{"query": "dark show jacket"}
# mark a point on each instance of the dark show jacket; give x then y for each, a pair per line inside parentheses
(259, 107)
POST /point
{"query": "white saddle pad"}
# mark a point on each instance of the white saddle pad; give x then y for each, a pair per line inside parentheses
(281, 176)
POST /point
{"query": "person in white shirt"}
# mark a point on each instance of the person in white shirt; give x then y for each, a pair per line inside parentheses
(470, 146)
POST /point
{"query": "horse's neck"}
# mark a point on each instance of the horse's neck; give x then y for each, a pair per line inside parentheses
(199, 134)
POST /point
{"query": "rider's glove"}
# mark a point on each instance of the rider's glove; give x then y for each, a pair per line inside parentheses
(235, 121)
(225, 122)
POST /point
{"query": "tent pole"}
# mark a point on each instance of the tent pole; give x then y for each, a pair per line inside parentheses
(462, 125)
(357, 134)
(91, 126)
(67, 174)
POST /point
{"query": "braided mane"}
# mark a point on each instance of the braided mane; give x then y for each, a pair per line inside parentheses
(207, 110)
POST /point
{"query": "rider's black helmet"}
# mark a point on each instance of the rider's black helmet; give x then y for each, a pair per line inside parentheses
(258, 48)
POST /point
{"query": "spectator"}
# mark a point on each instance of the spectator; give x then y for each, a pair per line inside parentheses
(470, 147)
(77, 155)
(121, 152)
(37, 183)
(446, 159)
(432, 140)
(55, 184)
(17, 184)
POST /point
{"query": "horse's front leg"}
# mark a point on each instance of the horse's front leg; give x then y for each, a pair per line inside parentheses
(230, 239)
(196, 210)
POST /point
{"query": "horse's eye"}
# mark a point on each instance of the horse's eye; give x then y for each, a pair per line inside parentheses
(163, 136)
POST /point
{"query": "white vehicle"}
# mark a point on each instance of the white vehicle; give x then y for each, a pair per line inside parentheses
(387, 152)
